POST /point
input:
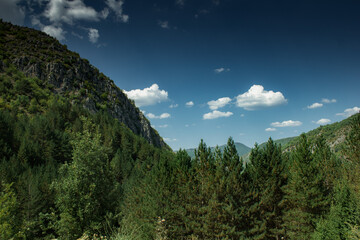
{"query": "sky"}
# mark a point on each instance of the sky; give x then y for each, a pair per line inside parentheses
(211, 69)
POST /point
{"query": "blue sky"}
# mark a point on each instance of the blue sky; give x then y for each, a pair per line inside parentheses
(210, 69)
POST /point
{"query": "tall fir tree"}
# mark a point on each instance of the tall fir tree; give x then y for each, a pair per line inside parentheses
(307, 193)
(268, 178)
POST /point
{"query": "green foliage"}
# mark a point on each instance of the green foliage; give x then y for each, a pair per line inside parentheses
(308, 191)
(344, 212)
(268, 178)
(83, 193)
(8, 207)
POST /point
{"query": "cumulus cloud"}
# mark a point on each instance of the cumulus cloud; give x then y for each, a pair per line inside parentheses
(58, 11)
(323, 121)
(221, 102)
(315, 105)
(325, 100)
(256, 97)
(189, 104)
(289, 123)
(162, 116)
(220, 70)
(164, 24)
(349, 111)
(270, 129)
(216, 114)
(117, 7)
(10, 11)
(147, 96)
(93, 35)
(56, 32)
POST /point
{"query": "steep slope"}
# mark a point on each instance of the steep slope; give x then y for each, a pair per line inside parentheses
(65, 73)
(334, 134)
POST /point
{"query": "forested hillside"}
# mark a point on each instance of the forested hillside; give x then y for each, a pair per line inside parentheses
(54, 69)
(68, 172)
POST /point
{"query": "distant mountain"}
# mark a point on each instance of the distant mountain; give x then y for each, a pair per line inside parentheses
(241, 149)
(49, 64)
(334, 135)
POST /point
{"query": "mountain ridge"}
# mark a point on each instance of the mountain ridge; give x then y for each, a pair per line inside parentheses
(334, 134)
(38, 55)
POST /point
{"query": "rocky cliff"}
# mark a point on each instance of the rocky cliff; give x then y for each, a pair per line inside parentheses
(38, 55)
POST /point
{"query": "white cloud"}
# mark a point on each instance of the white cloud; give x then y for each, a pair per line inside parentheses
(164, 24)
(173, 105)
(221, 102)
(147, 96)
(117, 7)
(56, 32)
(216, 114)
(349, 111)
(270, 129)
(163, 126)
(93, 35)
(315, 105)
(220, 70)
(11, 12)
(325, 100)
(58, 11)
(162, 116)
(323, 121)
(256, 97)
(289, 123)
(189, 104)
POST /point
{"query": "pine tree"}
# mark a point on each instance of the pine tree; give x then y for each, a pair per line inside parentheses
(344, 212)
(268, 177)
(307, 194)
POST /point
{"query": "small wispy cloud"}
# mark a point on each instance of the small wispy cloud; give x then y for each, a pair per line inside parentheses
(173, 105)
(323, 121)
(220, 70)
(270, 129)
(216, 114)
(325, 100)
(189, 104)
(163, 126)
(164, 24)
(93, 35)
(315, 105)
(117, 7)
(162, 116)
(288, 123)
(54, 31)
(221, 102)
(349, 111)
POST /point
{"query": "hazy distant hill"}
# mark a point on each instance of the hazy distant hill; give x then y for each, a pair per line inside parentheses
(241, 149)
(334, 135)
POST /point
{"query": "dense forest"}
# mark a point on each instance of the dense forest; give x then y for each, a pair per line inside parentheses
(69, 173)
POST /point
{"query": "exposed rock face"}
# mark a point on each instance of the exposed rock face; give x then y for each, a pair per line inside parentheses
(72, 75)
